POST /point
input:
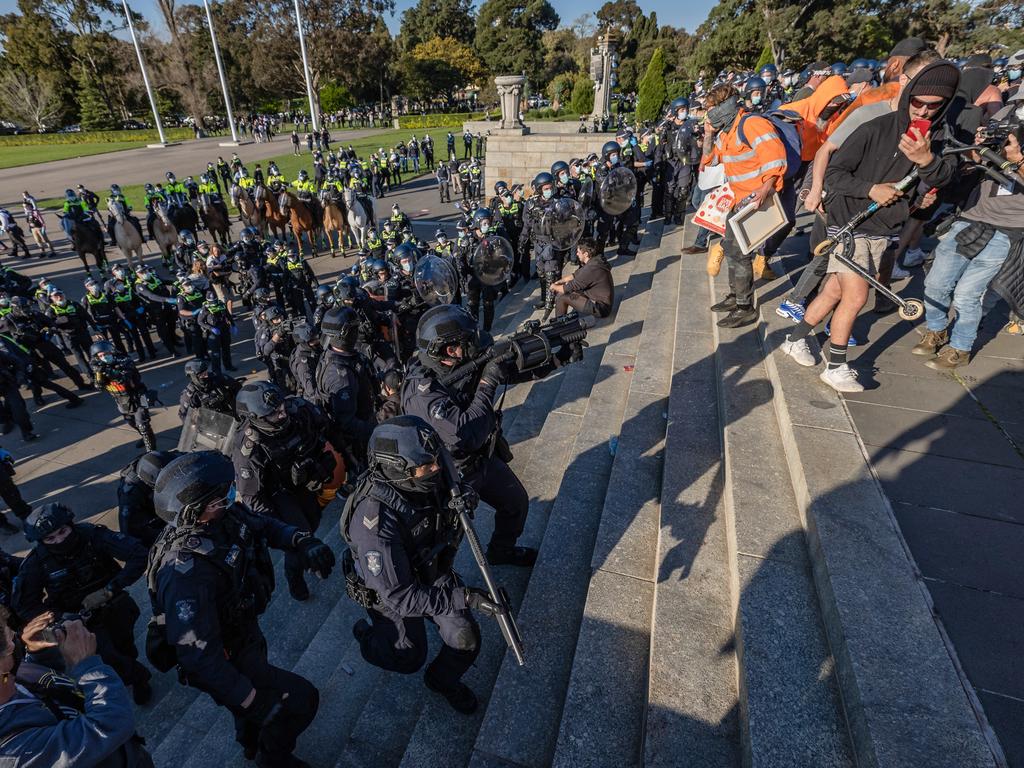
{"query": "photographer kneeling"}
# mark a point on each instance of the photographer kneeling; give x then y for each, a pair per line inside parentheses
(80, 720)
(590, 290)
(968, 256)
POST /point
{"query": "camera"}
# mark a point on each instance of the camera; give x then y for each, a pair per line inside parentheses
(997, 132)
(49, 633)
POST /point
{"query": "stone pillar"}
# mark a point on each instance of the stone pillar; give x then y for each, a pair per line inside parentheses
(603, 63)
(510, 91)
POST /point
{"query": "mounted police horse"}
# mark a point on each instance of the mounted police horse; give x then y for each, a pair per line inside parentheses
(357, 218)
(183, 216)
(335, 226)
(215, 217)
(274, 222)
(300, 218)
(248, 209)
(127, 232)
(164, 232)
(86, 238)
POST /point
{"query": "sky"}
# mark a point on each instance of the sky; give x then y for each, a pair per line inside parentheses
(687, 14)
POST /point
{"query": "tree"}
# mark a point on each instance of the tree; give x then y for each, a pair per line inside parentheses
(439, 66)
(334, 96)
(619, 15)
(93, 111)
(583, 95)
(560, 90)
(35, 44)
(508, 36)
(437, 18)
(182, 65)
(652, 94)
(29, 99)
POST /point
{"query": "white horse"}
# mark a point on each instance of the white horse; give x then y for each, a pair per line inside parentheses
(357, 218)
(164, 232)
(128, 238)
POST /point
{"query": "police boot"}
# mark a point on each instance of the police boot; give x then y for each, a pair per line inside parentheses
(297, 587)
(460, 697)
(511, 555)
(543, 300)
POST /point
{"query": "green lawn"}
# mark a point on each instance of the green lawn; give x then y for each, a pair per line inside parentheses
(11, 157)
(288, 163)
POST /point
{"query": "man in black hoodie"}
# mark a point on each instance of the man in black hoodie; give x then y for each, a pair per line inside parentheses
(866, 169)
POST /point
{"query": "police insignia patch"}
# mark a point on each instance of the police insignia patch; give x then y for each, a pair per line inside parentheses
(437, 410)
(373, 562)
(245, 473)
(423, 387)
(186, 610)
(192, 542)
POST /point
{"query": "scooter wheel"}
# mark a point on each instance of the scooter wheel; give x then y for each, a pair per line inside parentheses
(912, 309)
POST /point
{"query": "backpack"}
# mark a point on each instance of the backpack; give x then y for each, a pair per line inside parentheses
(784, 122)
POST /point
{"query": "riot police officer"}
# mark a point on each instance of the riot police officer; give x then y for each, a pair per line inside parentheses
(73, 569)
(118, 375)
(348, 293)
(282, 462)
(478, 294)
(217, 326)
(548, 259)
(304, 359)
(621, 228)
(681, 153)
(9, 492)
(464, 416)
(207, 389)
(136, 515)
(402, 541)
(344, 382)
(210, 577)
(161, 306)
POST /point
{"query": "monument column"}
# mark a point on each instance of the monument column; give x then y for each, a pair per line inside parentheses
(603, 62)
(510, 91)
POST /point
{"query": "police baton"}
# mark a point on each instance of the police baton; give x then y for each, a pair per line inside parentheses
(463, 505)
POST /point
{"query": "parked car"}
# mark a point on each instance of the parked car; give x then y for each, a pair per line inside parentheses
(74, 128)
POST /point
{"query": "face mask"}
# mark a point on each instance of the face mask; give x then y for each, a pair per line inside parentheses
(755, 100)
(681, 114)
(70, 544)
(613, 159)
(426, 484)
(769, 78)
(547, 193)
(563, 177)
(1014, 74)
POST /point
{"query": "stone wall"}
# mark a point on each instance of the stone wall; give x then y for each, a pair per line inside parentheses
(517, 159)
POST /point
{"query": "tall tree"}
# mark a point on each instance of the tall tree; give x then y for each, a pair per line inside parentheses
(437, 18)
(619, 15)
(185, 65)
(34, 44)
(29, 99)
(583, 95)
(508, 36)
(439, 66)
(652, 94)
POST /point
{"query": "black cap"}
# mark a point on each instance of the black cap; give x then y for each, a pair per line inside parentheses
(909, 46)
(859, 75)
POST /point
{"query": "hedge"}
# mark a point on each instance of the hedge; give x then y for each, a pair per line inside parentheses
(93, 137)
(438, 120)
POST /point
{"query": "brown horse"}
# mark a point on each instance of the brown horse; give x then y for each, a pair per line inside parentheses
(335, 226)
(215, 217)
(248, 211)
(300, 219)
(274, 220)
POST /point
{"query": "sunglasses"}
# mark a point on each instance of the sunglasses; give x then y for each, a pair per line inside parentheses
(933, 105)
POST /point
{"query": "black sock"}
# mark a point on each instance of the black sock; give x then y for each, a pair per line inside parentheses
(802, 331)
(836, 355)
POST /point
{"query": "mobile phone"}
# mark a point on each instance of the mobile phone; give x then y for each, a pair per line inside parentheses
(923, 126)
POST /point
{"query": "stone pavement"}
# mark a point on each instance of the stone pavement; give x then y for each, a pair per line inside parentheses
(947, 450)
(134, 166)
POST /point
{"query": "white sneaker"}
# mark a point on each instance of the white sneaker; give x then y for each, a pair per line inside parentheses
(913, 258)
(899, 273)
(800, 351)
(842, 379)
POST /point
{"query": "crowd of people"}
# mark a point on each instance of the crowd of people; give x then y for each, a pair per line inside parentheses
(890, 138)
(381, 386)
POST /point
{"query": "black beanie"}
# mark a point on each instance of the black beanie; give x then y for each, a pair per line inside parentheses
(940, 79)
(909, 46)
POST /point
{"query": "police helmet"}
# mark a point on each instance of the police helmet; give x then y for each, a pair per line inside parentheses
(150, 464)
(499, 186)
(248, 235)
(197, 370)
(188, 483)
(481, 215)
(102, 350)
(558, 166)
(769, 72)
(186, 237)
(93, 286)
(170, 177)
(304, 333)
(347, 290)
(149, 188)
(678, 104)
(754, 84)
(115, 189)
(860, 64)
(400, 445)
(443, 326)
(340, 327)
(58, 297)
(378, 264)
(610, 148)
(324, 295)
(261, 297)
(541, 179)
(20, 305)
(839, 68)
(409, 252)
(70, 196)
(260, 404)
(440, 237)
(303, 175)
(47, 519)
(274, 313)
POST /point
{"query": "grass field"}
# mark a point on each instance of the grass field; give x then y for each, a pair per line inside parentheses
(11, 157)
(288, 163)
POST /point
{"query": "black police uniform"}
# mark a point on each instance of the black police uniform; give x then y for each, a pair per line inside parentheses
(29, 330)
(681, 153)
(344, 385)
(276, 471)
(216, 325)
(135, 513)
(87, 562)
(161, 310)
(124, 383)
(217, 393)
(303, 362)
(403, 546)
(468, 425)
(72, 324)
(9, 491)
(211, 582)
(9, 567)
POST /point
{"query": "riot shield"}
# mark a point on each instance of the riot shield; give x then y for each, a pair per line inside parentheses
(616, 191)
(435, 279)
(206, 430)
(562, 222)
(492, 260)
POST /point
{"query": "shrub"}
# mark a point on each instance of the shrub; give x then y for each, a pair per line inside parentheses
(438, 120)
(93, 137)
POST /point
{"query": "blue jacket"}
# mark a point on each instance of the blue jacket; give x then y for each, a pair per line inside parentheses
(32, 737)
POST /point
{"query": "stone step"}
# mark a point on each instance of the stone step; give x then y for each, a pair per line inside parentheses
(608, 680)
(692, 701)
(790, 709)
(203, 725)
(521, 722)
(541, 447)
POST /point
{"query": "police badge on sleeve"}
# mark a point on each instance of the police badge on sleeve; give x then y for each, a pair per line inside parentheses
(374, 563)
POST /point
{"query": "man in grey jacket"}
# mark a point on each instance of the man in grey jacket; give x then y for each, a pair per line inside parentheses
(83, 720)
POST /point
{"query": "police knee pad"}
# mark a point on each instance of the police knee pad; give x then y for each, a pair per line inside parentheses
(466, 639)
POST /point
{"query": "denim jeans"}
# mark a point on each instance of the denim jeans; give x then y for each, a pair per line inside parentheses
(962, 283)
(696, 198)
